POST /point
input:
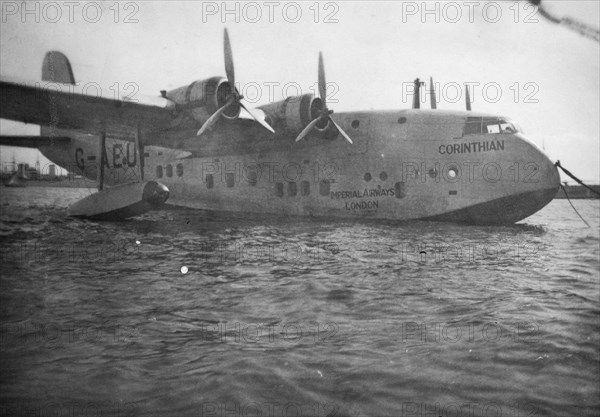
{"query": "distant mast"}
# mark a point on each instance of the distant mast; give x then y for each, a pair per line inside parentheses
(467, 98)
(432, 94)
(417, 95)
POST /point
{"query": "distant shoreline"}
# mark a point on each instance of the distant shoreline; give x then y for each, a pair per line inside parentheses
(65, 183)
(578, 192)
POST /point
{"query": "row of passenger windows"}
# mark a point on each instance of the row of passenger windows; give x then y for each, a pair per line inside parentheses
(169, 170)
(229, 180)
(210, 181)
(280, 187)
(252, 179)
(292, 189)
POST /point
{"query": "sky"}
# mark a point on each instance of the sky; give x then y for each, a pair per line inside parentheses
(540, 74)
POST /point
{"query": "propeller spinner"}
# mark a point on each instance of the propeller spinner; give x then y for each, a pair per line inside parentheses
(235, 97)
(325, 116)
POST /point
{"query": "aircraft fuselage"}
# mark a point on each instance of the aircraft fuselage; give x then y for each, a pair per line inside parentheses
(403, 165)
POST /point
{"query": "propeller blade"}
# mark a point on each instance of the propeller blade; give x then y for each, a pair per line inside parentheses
(214, 117)
(308, 129)
(322, 82)
(467, 98)
(432, 95)
(344, 134)
(325, 112)
(258, 119)
(229, 70)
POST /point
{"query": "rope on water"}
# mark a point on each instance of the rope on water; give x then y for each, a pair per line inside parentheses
(569, 200)
(566, 171)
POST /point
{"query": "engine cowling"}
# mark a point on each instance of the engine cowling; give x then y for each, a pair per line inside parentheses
(204, 97)
(294, 113)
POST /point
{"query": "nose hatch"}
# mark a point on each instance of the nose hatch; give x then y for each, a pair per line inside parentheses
(155, 193)
(550, 182)
(544, 190)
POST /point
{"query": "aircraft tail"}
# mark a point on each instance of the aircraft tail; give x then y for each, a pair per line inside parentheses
(57, 68)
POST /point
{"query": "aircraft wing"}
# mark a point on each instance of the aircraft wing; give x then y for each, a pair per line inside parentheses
(32, 141)
(79, 107)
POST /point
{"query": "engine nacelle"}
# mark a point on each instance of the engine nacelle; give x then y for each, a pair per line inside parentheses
(204, 97)
(294, 113)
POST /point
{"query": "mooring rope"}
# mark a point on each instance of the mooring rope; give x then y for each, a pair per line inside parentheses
(566, 171)
(578, 26)
(569, 200)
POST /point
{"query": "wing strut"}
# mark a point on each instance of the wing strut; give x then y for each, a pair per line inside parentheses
(123, 200)
(140, 149)
(102, 143)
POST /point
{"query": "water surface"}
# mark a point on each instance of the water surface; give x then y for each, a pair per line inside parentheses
(291, 316)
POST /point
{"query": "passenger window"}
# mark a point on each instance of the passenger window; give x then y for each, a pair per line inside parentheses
(169, 170)
(252, 178)
(159, 171)
(305, 188)
(210, 181)
(230, 179)
(292, 189)
(400, 190)
(324, 187)
(179, 170)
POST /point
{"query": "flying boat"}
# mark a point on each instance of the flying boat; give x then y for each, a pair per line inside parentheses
(191, 146)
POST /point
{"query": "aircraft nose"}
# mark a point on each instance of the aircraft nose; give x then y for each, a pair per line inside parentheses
(155, 193)
(550, 177)
(538, 184)
(547, 182)
(554, 180)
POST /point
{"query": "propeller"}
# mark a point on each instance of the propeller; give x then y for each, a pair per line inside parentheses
(432, 94)
(467, 97)
(235, 97)
(325, 115)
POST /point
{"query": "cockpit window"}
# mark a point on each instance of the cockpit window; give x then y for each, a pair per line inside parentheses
(506, 126)
(473, 126)
(489, 125)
